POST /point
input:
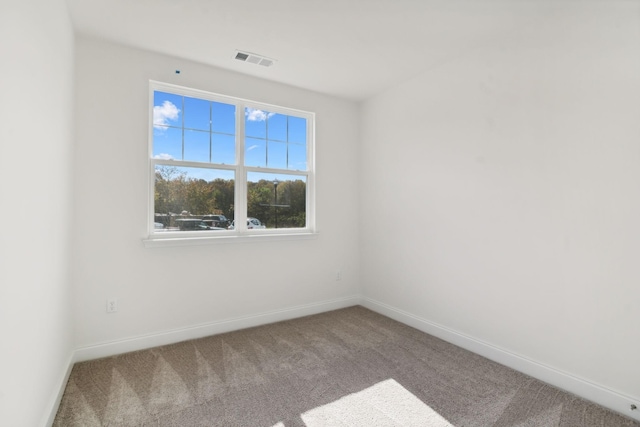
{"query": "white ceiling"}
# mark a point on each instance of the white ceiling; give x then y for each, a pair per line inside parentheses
(347, 48)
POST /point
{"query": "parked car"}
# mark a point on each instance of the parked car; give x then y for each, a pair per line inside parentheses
(254, 223)
(251, 224)
(193, 224)
(216, 221)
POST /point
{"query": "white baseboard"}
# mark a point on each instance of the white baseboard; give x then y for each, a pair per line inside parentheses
(52, 409)
(227, 325)
(588, 390)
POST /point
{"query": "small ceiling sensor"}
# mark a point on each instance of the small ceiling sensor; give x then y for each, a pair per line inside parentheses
(254, 58)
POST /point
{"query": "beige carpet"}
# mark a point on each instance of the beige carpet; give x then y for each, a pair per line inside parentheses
(349, 367)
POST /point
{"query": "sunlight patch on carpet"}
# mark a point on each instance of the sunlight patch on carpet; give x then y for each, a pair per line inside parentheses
(385, 403)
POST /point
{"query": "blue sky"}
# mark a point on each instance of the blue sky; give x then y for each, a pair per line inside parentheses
(198, 130)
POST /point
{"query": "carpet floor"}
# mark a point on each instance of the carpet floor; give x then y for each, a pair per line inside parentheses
(349, 367)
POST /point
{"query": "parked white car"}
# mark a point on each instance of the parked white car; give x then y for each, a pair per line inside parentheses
(252, 223)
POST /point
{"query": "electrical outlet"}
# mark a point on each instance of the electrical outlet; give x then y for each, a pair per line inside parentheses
(338, 275)
(112, 305)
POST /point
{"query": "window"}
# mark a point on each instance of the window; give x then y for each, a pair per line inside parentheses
(224, 167)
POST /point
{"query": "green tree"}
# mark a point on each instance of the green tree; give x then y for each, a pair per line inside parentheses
(169, 189)
(292, 194)
(259, 200)
(200, 197)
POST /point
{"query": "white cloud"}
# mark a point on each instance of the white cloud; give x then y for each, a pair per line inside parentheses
(253, 147)
(164, 113)
(164, 156)
(254, 115)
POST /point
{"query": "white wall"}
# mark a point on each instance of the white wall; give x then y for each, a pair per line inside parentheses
(162, 289)
(500, 193)
(36, 83)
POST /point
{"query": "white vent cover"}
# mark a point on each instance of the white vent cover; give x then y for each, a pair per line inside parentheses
(254, 58)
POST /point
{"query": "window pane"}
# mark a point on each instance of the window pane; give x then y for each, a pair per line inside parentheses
(223, 118)
(277, 155)
(196, 113)
(166, 109)
(196, 146)
(256, 122)
(167, 143)
(255, 152)
(223, 149)
(276, 200)
(184, 195)
(297, 130)
(277, 127)
(297, 157)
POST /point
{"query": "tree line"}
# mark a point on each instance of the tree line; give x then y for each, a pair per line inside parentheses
(176, 194)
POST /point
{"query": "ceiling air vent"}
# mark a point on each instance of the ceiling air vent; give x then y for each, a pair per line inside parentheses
(254, 59)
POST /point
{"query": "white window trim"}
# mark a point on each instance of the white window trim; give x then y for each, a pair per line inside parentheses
(241, 233)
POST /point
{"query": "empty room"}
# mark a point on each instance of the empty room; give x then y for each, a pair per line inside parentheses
(320, 213)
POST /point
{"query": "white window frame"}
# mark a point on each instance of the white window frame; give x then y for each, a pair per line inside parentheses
(240, 233)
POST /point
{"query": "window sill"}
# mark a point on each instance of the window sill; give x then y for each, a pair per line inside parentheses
(154, 242)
